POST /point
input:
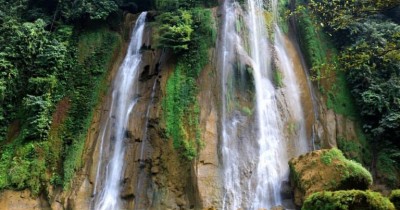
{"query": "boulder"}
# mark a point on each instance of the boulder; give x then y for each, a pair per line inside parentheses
(325, 170)
(348, 199)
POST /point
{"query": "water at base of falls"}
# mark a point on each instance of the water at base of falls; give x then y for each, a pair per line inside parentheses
(124, 98)
(254, 150)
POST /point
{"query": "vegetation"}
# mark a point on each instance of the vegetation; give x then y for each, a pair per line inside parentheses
(326, 170)
(345, 200)
(51, 76)
(368, 39)
(350, 171)
(189, 33)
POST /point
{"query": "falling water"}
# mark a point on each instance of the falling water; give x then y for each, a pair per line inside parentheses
(293, 94)
(142, 199)
(254, 148)
(124, 98)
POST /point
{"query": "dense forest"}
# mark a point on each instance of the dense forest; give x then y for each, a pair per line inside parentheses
(55, 54)
(366, 59)
(52, 55)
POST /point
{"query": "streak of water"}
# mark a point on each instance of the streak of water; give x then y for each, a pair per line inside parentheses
(123, 100)
(293, 93)
(254, 150)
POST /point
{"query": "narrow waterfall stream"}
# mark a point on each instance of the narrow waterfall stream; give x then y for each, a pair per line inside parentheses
(255, 146)
(142, 199)
(124, 98)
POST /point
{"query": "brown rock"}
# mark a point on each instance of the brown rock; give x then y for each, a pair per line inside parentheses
(325, 170)
(20, 200)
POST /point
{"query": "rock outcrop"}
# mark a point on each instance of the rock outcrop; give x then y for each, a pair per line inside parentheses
(325, 170)
(348, 199)
(21, 200)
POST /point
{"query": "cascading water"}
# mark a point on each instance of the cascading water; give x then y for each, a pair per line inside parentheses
(124, 98)
(142, 199)
(254, 148)
(293, 94)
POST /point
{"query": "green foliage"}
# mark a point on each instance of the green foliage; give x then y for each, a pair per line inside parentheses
(370, 57)
(94, 9)
(351, 149)
(346, 200)
(340, 98)
(180, 104)
(175, 30)
(100, 45)
(173, 5)
(319, 53)
(374, 77)
(386, 166)
(39, 66)
(340, 14)
(395, 198)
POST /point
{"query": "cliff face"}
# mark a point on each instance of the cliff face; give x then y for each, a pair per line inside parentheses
(166, 180)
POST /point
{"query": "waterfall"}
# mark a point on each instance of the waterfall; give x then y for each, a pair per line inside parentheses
(124, 98)
(141, 197)
(254, 145)
(292, 93)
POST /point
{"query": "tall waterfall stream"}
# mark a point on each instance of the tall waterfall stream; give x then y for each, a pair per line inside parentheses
(124, 98)
(255, 149)
(262, 123)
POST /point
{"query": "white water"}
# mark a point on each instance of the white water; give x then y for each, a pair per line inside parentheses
(292, 94)
(123, 100)
(254, 150)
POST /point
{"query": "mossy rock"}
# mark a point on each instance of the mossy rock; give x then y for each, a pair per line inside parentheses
(347, 200)
(326, 170)
(395, 198)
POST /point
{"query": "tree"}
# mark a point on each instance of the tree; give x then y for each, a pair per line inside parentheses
(175, 31)
(372, 63)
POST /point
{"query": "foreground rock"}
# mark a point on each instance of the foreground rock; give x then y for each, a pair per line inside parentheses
(348, 199)
(325, 170)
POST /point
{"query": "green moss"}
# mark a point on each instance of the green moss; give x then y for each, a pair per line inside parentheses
(328, 156)
(96, 49)
(351, 171)
(278, 78)
(347, 200)
(181, 109)
(340, 98)
(247, 111)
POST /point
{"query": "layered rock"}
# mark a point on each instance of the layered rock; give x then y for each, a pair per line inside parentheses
(325, 170)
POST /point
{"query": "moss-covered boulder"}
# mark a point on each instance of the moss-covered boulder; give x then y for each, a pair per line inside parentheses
(395, 198)
(326, 170)
(347, 200)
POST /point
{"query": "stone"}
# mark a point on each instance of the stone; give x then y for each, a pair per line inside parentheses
(325, 170)
(286, 191)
